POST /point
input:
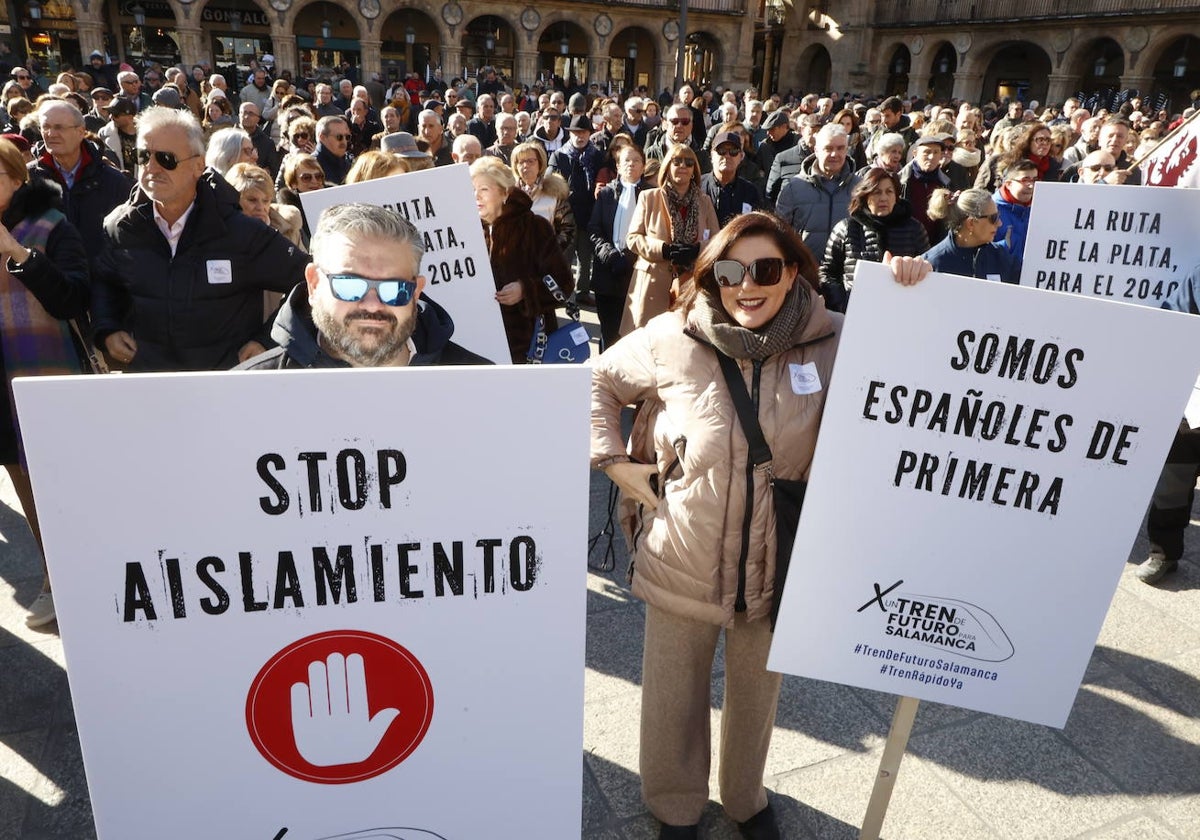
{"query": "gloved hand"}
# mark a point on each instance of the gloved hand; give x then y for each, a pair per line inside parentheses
(671, 252)
(686, 255)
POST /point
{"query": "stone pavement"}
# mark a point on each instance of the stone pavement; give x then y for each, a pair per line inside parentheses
(1126, 766)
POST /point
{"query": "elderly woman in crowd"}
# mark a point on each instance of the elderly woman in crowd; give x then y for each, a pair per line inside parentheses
(548, 191)
(256, 193)
(880, 223)
(969, 249)
(705, 554)
(375, 164)
(301, 173)
(229, 146)
(889, 153)
(523, 250)
(669, 226)
(43, 286)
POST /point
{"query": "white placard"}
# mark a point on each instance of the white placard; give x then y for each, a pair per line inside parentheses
(958, 542)
(278, 524)
(1130, 244)
(440, 202)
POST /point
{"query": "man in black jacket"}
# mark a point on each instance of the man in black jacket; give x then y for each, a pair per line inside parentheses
(730, 195)
(360, 304)
(179, 283)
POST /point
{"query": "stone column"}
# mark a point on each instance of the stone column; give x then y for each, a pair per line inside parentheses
(91, 36)
(598, 67)
(966, 86)
(1059, 87)
(768, 75)
(918, 84)
(1140, 83)
(526, 68)
(665, 78)
(452, 61)
(193, 45)
(370, 61)
(287, 55)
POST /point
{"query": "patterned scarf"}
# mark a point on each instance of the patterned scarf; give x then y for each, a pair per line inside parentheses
(684, 213)
(738, 342)
(33, 342)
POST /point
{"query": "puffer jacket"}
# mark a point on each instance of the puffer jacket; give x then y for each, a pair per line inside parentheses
(864, 236)
(686, 551)
(812, 205)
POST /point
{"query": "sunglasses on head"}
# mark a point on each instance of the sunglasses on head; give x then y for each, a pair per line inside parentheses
(765, 271)
(352, 288)
(166, 160)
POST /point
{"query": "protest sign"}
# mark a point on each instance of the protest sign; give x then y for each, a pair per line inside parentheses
(314, 603)
(441, 205)
(984, 462)
(1131, 244)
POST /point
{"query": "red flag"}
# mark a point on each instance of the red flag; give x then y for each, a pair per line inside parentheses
(1176, 161)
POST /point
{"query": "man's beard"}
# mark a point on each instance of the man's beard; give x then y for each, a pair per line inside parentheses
(375, 350)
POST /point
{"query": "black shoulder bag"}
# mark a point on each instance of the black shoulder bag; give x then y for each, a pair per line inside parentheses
(788, 494)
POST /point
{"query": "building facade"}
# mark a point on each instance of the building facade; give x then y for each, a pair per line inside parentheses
(966, 49)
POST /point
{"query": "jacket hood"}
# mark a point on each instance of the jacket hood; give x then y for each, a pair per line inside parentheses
(32, 200)
(296, 333)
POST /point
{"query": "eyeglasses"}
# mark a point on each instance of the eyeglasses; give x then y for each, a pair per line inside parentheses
(637, 110)
(1100, 167)
(683, 162)
(59, 128)
(309, 177)
(765, 271)
(991, 217)
(343, 137)
(352, 288)
(300, 135)
(166, 160)
(1040, 139)
(1026, 181)
(729, 152)
(22, 78)
(680, 121)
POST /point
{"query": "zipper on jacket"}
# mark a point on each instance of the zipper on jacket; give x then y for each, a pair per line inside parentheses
(740, 604)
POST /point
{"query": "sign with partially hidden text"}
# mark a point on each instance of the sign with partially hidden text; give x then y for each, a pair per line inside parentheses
(983, 466)
(1130, 244)
(335, 603)
(441, 205)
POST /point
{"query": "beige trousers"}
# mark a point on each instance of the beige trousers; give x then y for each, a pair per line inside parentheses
(676, 741)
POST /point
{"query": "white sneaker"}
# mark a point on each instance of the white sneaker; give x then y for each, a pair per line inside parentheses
(41, 611)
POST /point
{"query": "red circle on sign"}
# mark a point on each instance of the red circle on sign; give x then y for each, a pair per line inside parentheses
(301, 708)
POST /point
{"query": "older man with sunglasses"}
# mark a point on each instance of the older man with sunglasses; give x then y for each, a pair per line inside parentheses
(179, 282)
(678, 133)
(360, 304)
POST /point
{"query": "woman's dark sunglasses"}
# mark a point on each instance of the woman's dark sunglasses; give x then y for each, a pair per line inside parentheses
(352, 288)
(765, 271)
(166, 160)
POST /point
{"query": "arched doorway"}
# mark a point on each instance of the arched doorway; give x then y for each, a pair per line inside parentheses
(1099, 66)
(1177, 75)
(410, 45)
(701, 58)
(632, 58)
(1018, 70)
(815, 70)
(941, 73)
(562, 54)
(326, 38)
(899, 65)
(489, 41)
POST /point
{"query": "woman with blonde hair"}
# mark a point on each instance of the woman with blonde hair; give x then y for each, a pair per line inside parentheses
(548, 190)
(256, 194)
(374, 164)
(522, 251)
(670, 225)
(300, 173)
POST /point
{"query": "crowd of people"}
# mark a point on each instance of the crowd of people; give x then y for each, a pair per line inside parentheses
(157, 217)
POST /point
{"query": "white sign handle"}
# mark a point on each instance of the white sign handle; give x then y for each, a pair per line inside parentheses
(889, 766)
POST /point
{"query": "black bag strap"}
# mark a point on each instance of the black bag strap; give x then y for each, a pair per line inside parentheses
(760, 453)
(552, 286)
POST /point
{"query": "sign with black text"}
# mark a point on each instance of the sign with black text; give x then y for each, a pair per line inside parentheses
(1130, 244)
(333, 602)
(984, 463)
(441, 205)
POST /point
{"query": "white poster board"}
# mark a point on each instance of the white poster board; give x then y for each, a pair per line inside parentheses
(440, 203)
(958, 542)
(368, 598)
(1130, 244)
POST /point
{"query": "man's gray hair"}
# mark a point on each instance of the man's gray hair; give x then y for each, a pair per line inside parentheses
(325, 123)
(365, 221)
(155, 118)
(127, 76)
(49, 105)
(890, 141)
(829, 131)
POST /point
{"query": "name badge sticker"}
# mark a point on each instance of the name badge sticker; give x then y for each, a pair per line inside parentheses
(805, 379)
(995, 277)
(220, 271)
(580, 335)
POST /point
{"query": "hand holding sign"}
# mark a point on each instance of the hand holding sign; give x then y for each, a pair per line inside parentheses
(330, 718)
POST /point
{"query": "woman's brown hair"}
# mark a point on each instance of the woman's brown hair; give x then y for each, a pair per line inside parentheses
(872, 179)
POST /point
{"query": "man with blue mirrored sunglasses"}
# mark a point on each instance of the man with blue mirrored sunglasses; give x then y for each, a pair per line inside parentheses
(361, 304)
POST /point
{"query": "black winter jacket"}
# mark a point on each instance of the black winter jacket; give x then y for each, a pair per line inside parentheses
(864, 236)
(98, 189)
(296, 335)
(195, 310)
